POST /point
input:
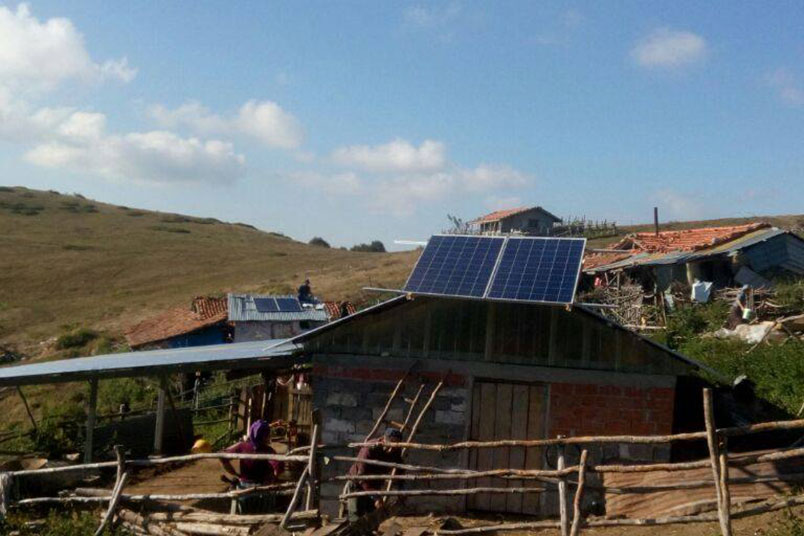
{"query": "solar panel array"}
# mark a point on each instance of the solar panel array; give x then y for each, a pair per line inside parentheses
(455, 266)
(277, 305)
(536, 269)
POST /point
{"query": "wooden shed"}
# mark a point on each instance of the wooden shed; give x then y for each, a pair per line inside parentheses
(514, 371)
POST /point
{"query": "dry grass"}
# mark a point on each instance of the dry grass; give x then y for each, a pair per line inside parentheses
(67, 261)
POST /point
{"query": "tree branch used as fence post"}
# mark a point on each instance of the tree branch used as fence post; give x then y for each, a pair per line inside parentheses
(562, 491)
(724, 480)
(712, 443)
(387, 407)
(576, 514)
(295, 499)
(117, 491)
(312, 469)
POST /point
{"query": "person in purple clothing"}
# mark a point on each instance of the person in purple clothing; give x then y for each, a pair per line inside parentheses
(255, 471)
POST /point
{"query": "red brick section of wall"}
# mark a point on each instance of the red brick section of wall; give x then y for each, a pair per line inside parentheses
(358, 373)
(592, 409)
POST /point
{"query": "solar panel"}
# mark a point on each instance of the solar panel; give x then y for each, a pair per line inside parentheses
(266, 305)
(455, 266)
(288, 305)
(538, 270)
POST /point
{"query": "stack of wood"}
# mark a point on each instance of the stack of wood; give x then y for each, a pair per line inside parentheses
(191, 521)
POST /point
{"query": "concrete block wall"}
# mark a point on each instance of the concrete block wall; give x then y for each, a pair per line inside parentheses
(351, 399)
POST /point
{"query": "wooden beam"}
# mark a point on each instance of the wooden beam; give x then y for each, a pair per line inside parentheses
(562, 493)
(92, 408)
(712, 443)
(159, 429)
(577, 517)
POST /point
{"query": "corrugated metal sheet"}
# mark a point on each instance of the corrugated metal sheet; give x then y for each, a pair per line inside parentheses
(256, 354)
(746, 241)
(242, 309)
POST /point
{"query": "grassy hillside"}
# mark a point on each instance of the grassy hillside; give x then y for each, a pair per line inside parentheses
(66, 261)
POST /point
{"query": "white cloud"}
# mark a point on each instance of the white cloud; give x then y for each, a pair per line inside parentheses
(397, 156)
(432, 16)
(265, 121)
(499, 203)
(39, 55)
(487, 177)
(403, 194)
(666, 48)
(786, 86)
(336, 183)
(154, 157)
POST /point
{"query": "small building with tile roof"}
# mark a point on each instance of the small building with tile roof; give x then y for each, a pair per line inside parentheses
(533, 221)
(203, 323)
(752, 254)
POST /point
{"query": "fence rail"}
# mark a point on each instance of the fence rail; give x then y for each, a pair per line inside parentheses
(571, 481)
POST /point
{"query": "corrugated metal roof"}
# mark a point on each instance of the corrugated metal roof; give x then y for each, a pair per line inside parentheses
(243, 309)
(255, 354)
(745, 241)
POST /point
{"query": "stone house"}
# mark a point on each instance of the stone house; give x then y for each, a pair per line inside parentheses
(264, 317)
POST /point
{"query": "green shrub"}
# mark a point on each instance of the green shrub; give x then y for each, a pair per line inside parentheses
(58, 522)
(777, 369)
(76, 339)
(318, 241)
(6, 189)
(375, 247)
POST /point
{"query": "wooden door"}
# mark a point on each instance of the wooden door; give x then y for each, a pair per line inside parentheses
(505, 410)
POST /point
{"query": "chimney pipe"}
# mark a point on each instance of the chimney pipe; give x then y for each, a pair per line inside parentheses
(656, 220)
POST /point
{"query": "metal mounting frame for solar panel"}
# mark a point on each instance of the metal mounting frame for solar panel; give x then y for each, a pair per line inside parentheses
(477, 290)
(572, 284)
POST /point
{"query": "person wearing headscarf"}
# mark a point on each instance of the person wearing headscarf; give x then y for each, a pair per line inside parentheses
(258, 442)
(378, 450)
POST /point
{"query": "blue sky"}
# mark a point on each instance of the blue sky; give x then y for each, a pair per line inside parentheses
(372, 120)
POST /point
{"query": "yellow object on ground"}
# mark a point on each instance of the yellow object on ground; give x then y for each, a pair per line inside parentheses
(202, 445)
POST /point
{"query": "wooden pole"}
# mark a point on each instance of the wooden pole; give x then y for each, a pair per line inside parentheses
(711, 441)
(160, 417)
(312, 468)
(576, 514)
(447, 492)
(723, 463)
(92, 409)
(415, 426)
(411, 408)
(295, 498)
(143, 523)
(116, 493)
(562, 492)
(27, 409)
(387, 407)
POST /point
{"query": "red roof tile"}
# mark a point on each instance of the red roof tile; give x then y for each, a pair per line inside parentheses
(179, 321)
(668, 241)
(500, 214)
(686, 240)
(334, 309)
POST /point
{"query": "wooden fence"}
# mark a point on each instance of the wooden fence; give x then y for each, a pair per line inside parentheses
(571, 524)
(570, 481)
(166, 517)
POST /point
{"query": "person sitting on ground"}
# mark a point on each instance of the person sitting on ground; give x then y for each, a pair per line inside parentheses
(737, 311)
(254, 472)
(379, 450)
(306, 293)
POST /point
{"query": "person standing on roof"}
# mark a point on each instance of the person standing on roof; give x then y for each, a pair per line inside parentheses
(306, 292)
(379, 450)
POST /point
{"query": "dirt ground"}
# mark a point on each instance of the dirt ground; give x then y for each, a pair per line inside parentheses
(769, 524)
